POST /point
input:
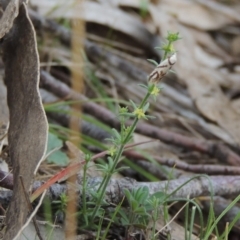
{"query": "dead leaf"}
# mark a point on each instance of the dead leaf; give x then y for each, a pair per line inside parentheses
(202, 86)
(198, 15)
(8, 16)
(28, 124)
(102, 15)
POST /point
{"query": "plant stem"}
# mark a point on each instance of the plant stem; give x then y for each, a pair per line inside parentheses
(165, 53)
(84, 191)
(102, 188)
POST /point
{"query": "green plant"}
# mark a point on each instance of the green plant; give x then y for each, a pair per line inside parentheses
(54, 155)
(61, 204)
(120, 139)
(136, 214)
(141, 203)
(214, 223)
(84, 197)
(144, 4)
(142, 206)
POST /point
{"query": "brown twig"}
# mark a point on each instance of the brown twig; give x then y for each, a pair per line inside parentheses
(199, 186)
(211, 169)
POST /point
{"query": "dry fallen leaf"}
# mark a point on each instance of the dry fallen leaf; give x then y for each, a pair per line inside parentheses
(202, 80)
(8, 16)
(198, 15)
(28, 125)
(103, 15)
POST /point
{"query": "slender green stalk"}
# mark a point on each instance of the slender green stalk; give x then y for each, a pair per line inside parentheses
(84, 189)
(186, 221)
(112, 220)
(145, 99)
(155, 217)
(104, 184)
(220, 216)
(230, 226)
(99, 227)
(165, 53)
(226, 230)
(191, 222)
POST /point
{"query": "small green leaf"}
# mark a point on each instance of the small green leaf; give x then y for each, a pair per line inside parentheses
(121, 168)
(133, 104)
(158, 48)
(134, 204)
(140, 210)
(102, 167)
(124, 218)
(153, 61)
(53, 142)
(144, 195)
(127, 194)
(57, 157)
(116, 134)
(150, 117)
(159, 195)
(145, 108)
(126, 114)
(143, 86)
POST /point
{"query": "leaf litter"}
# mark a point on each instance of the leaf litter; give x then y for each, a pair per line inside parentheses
(197, 114)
